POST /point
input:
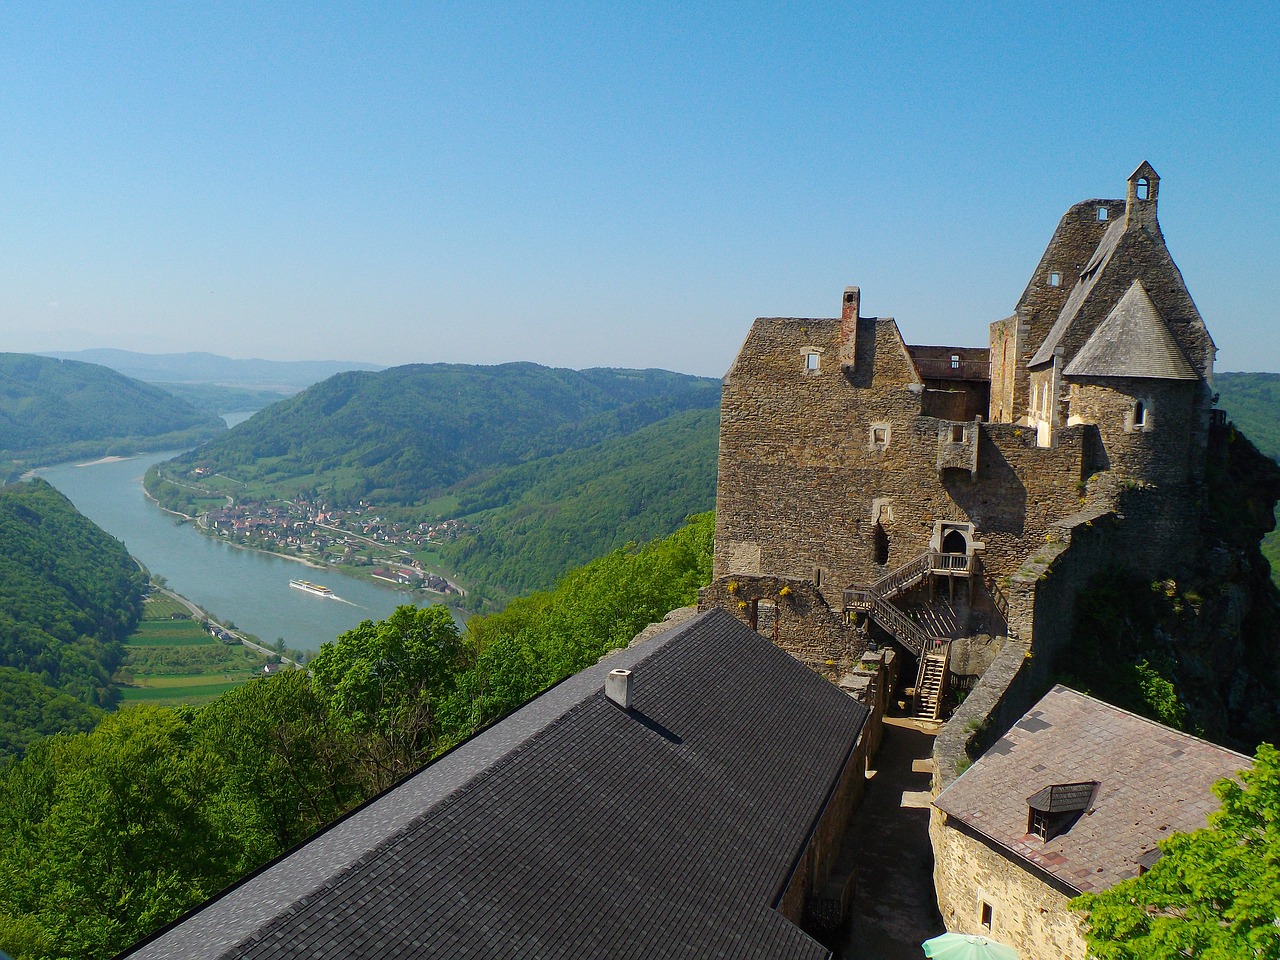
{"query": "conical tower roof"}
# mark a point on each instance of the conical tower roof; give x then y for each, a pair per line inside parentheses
(1133, 341)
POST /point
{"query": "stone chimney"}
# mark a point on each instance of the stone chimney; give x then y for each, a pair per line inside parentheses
(849, 325)
(617, 687)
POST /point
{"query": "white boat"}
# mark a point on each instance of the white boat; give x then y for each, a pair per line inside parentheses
(308, 587)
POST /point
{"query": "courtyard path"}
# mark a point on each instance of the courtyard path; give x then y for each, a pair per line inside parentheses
(894, 909)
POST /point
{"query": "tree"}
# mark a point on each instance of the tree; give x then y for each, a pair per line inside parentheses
(383, 683)
(1213, 894)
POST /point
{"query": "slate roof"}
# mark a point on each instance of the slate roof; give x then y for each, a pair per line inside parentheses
(1080, 292)
(1133, 341)
(1154, 781)
(574, 828)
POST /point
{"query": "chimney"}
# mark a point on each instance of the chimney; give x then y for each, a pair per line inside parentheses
(849, 325)
(617, 687)
(849, 309)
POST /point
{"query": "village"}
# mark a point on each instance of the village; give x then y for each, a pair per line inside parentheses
(359, 538)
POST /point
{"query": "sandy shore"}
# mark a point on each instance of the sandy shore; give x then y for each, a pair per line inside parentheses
(94, 463)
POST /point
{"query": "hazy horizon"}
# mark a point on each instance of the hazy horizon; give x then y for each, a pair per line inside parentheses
(585, 185)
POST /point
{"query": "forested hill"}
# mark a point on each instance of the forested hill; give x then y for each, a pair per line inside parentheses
(551, 464)
(69, 593)
(1252, 401)
(54, 410)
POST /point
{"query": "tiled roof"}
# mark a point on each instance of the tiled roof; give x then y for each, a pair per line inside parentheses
(1154, 781)
(1133, 341)
(575, 828)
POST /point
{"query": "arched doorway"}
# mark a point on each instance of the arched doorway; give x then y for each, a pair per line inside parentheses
(955, 542)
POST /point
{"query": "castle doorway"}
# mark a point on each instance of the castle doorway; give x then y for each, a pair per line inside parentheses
(955, 542)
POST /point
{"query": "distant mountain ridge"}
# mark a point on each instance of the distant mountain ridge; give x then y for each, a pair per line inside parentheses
(54, 410)
(551, 466)
(285, 376)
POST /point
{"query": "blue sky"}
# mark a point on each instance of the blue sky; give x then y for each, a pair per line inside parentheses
(586, 184)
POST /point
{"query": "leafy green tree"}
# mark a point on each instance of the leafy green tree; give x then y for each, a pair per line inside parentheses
(1214, 893)
(108, 835)
(284, 754)
(383, 683)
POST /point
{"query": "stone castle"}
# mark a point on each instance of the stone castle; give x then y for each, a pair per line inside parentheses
(951, 499)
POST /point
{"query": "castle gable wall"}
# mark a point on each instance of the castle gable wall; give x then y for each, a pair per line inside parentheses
(811, 463)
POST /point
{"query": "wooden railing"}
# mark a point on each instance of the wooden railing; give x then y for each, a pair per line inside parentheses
(902, 627)
(951, 563)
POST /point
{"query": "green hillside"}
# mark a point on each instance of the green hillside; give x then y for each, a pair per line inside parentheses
(69, 594)
(54, 410)
(545, 467)
(1252, 401)
(538, 519)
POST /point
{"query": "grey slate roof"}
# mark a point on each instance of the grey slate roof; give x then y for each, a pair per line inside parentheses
(1154, 781)
(1133, 341)
(574, 828)
(1080, 292)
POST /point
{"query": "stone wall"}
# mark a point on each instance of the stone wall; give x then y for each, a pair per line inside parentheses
(1074, 240)
(813, 871)
(1028, 909)
(817, 466)
(792, 613)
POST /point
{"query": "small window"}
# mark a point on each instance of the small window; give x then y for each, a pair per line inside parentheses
(1143, 189)
(1055, 279)
(957, 433)
(879, 545)
(955, 361)
(987, 916)
(1102, 213)
(879, 435)
(1139, 416)
(811, 362)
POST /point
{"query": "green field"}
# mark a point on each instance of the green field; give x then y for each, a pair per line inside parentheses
(178, 633)
(175, 661)
(160, 607)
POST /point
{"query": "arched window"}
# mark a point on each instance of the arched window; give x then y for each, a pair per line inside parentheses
(1140, 415)
(1143, 189)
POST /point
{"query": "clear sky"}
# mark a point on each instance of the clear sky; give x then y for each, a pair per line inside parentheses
(607, 184)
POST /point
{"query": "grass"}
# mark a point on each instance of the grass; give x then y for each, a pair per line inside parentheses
(161, 607)
(178, 695)
(174, 633)
(174, 661)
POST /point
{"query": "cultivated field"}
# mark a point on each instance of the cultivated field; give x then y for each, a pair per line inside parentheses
(172, 659)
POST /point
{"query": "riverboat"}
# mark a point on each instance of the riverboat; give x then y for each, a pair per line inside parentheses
(308, 587)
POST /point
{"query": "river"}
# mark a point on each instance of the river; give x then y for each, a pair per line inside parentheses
(245, 586)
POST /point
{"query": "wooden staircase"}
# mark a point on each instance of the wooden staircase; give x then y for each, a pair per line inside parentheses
(933, 652)
(931, 680)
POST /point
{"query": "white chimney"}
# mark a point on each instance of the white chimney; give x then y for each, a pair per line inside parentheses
(617, 687)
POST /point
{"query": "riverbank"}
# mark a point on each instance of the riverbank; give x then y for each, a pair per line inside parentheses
(180, 655)
(251, 586)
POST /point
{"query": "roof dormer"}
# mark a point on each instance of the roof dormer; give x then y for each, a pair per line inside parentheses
(1056, 808)
(1140, 202)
